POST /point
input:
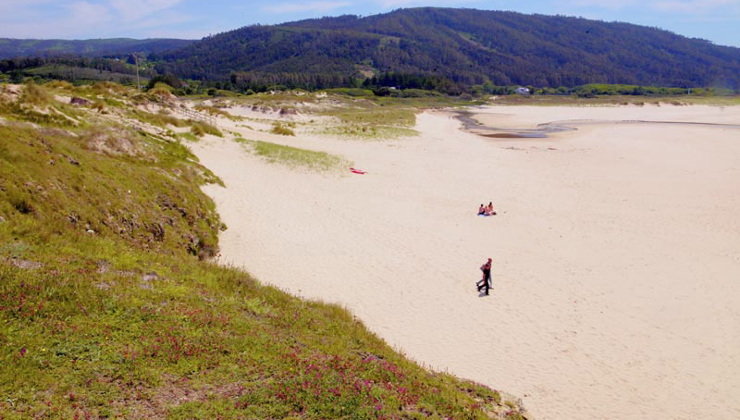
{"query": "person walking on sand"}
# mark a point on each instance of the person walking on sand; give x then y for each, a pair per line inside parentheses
(485, 281)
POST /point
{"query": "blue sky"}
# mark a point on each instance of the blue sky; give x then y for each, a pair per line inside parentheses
(715, 20)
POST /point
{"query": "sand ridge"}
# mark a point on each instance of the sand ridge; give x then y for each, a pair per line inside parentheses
(616, 252)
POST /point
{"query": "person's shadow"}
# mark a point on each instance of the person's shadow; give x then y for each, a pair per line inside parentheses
(482, 292)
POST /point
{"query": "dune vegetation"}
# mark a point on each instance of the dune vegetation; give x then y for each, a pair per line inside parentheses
(294, 156)
(110, 308)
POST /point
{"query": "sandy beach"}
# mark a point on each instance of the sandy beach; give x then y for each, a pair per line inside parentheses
(616, 250)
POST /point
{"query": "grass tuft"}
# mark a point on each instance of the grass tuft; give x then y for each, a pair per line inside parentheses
(35, 95)
(281, 129)
(200, 129)
(295, 157)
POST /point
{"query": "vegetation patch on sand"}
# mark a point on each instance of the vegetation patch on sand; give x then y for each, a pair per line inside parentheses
(368, 120)
(294, 156)
(200, 128)
(369, 132)
(216, 112)
(283, 129)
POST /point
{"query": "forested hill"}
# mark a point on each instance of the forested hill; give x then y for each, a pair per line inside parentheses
(464, 45)
(12, 48)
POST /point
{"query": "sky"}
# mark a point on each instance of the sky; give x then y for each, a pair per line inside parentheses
(714, 20)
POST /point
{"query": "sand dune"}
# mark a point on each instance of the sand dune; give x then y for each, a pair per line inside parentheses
(616, 251)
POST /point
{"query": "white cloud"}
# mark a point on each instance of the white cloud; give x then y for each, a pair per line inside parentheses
(21, 6)
(392, 4)
(669, 6)
(316, 6)
(81, 18)
(132, 10)
(87, 14)
(695, 6)
(53, 20)
(605, 4)
(158, 24)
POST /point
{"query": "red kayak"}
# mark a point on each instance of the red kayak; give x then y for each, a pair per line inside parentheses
(357, 171)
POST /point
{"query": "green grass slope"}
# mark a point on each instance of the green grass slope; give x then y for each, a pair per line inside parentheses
(109, 307)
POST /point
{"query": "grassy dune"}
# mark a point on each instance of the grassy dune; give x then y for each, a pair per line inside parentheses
(368, 120)
(342, 114)
(294, 156)
(109, 307)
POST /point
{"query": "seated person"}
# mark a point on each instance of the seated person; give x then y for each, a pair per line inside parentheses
(489, 209)
(482, 210)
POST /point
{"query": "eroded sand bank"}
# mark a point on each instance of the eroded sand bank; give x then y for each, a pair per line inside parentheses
(616, 251)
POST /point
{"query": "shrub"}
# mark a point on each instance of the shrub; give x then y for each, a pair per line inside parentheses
(281, 129)
(200, 129)
(34, 94)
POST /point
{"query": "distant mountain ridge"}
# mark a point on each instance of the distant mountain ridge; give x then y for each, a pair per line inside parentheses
(457, 47)
(467, 46)
(12, 48)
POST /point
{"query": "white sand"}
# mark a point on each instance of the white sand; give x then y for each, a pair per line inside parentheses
(616, 252)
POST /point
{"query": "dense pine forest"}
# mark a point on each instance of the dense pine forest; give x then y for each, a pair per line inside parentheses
(448, 50)
(466, 47)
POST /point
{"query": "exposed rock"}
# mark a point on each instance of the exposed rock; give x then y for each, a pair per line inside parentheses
(25, 264)
(73, 218)
(367, 356)
(262, 109)
(103, 267)
(125, 273)
(113, 143)
(79, 101)
(157, 231)
(149, 277)
(72, 160)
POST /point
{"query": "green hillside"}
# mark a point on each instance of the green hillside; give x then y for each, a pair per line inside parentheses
(109, 307)
(465, 46)
(11, 48)
(448, 50)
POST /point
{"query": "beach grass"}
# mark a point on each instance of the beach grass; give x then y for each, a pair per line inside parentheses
(368, 120)
(294, 156)
(216, 112)
(160, 119)
(377, 116)
(368, 132)
(200, 129)
(282, 128)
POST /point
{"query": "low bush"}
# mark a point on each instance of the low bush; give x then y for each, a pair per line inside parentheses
(282, 129)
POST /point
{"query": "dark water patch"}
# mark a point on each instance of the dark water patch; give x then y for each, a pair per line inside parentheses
(541, 132)
(474, 126)
(514, 135)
